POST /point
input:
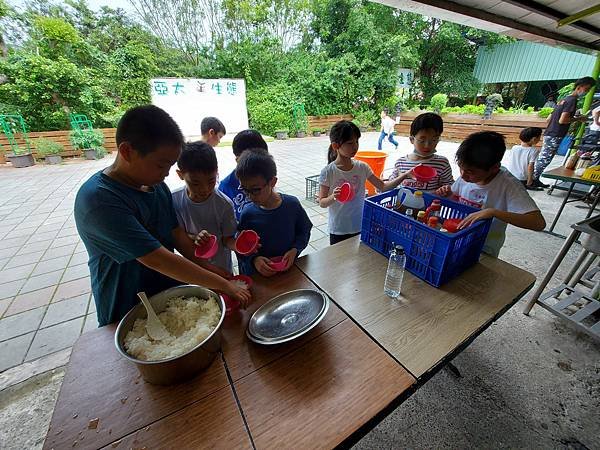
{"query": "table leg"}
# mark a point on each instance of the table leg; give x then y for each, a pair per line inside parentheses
(560, 210)
(557, 261)
(594, 204)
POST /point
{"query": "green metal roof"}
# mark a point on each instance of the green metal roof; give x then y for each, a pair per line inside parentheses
(528, 61)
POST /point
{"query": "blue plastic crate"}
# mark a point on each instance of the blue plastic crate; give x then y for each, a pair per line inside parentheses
(431, 255)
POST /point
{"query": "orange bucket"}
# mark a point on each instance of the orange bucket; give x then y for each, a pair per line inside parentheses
(376, 160)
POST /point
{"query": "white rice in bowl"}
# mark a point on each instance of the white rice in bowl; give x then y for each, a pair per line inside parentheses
(189, 320)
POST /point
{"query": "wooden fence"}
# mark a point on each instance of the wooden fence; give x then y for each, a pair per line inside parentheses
(457, 127)
(61, 137)
(325, 122)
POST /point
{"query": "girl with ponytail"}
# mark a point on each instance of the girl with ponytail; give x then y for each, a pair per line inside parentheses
(345, 218)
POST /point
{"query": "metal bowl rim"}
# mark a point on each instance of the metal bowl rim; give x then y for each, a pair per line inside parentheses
(265, 339)
(124, 353)
(295, 336)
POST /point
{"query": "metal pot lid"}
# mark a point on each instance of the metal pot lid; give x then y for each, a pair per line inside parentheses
(287, 316)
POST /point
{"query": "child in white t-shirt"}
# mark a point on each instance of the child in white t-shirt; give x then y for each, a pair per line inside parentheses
(485, 184)
(520, 160)
(345, 219)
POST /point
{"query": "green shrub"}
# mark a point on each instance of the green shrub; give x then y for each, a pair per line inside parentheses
(438, 102)
(47, 147)
(270, 108)
(83, 140)
(545, 112)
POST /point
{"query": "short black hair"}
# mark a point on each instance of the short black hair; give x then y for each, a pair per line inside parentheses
(248, 139)
(147, 128)
(198, 157)
(341, 131)
(482, 150)
(256, 162)
(212, 123)
(585, 81)
(427, 121)
(529, 133)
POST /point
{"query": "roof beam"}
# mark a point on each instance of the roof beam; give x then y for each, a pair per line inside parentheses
(580, 15)
(551, 13)
(506, 22)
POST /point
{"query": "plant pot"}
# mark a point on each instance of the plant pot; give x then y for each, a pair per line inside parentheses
(300, 134)
(281, 135)
(316, 133)
(53, 159)
(24, 160)
(90, 153)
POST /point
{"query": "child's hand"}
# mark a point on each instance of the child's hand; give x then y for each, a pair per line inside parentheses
(289, 257)
(241, 294)
(261, 264)
(444, 191)
(202, 237)
(336, 193)
(487, 213)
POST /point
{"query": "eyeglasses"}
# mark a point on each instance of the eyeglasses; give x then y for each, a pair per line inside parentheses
(252, 191)
(427, 141)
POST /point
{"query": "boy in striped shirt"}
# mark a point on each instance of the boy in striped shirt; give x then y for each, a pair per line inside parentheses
(425, 132)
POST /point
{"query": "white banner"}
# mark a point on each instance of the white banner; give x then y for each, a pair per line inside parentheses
(189, 100)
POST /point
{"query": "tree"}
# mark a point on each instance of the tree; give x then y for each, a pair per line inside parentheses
(129, 70)
(47, 90)
(188, 25)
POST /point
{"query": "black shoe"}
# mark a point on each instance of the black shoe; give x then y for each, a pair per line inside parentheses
(538, 183)
(533, 188)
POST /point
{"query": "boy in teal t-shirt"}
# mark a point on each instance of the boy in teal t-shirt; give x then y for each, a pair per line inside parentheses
(125, 217)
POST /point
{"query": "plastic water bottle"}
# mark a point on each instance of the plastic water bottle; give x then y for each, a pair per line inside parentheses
(395, 272)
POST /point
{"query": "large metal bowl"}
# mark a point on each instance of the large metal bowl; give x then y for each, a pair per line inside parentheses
(287, 316)
(179, 368)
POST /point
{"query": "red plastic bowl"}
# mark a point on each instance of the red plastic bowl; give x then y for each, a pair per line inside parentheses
(346, 193)
(451, 225)
(277, 263)
(208, 249)
(232, 305)
(424, 173)
(246, 242)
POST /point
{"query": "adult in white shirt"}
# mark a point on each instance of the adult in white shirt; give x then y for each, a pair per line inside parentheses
(387, 129)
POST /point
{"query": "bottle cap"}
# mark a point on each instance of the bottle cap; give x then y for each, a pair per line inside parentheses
(421, 214)
(419, 193)
(433, 220)
(399, 249)
(436, 201)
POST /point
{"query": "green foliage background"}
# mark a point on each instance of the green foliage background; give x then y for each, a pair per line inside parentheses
(334, 56)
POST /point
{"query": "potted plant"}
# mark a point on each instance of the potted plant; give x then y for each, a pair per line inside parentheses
(316, 132)
(49, 150)
(301, 133)
(21, 158)
(281, 134)
(89, 142)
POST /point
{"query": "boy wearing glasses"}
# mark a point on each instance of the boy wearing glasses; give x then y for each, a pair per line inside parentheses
(425, 132)
(279, 219)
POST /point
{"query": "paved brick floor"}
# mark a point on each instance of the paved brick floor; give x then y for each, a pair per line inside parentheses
(45, 295)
